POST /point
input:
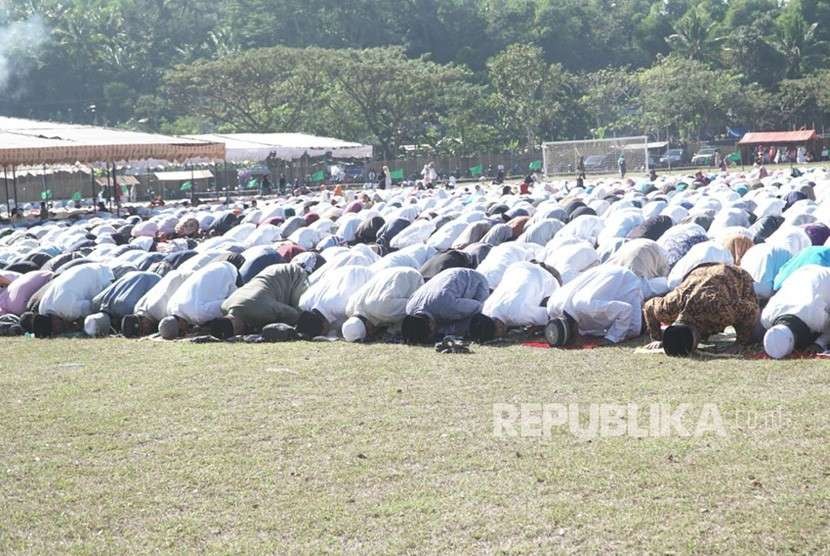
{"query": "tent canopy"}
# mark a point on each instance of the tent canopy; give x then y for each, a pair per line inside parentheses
(778, 137)
(32, 142)
(184, 175)
(129, 181)
(240, 147)
(38, 171)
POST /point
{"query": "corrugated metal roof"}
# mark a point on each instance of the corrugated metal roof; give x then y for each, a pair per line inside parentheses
(772, 137)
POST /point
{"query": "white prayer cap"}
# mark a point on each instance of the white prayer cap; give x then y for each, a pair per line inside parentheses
(354, 330)
(779, 341)
(97, 325)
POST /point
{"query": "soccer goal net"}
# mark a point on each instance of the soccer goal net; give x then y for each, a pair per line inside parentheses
(596, 156)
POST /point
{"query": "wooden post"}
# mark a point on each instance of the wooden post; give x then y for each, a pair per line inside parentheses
(94, 191)
(14, 185)
(6, 183)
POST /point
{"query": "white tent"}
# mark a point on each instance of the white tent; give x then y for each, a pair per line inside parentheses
(244, 147)
(31, 142)
(184, 175)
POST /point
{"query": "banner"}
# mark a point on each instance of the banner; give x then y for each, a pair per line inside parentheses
(535, 165)
(476, 171)
(318, 176)
(46, 195)
(186, 186)
(396, 175)
(76, 196)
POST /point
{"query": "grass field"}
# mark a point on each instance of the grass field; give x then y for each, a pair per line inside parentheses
(140, 446)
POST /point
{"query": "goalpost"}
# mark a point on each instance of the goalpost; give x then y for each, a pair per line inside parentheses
(597, 156)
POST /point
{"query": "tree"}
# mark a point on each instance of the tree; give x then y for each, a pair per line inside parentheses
(611, 99)
(806, 101)
(530, 97)
(796, 40)
(747, 51)
(692, 37)
(262, 90)
(398, 100)
(671, 101)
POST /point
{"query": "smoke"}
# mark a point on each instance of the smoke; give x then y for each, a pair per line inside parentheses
(20, 44)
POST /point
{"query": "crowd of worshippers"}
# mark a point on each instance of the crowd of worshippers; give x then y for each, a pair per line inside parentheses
(679, 260)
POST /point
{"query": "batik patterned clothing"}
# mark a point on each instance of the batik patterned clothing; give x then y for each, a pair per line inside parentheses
(710, 298)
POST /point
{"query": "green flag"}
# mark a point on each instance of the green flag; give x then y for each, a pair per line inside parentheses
(76, 196)
(734, 158)
(536, 165)
(46, 195)
(396, 175)
(252, 184)
(318, 176)
(186, 186)
(477, 170)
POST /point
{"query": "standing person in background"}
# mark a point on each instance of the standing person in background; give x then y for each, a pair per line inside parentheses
(621, 166)
(382, 177)
(500, 174)
(428, 174)
(283, 183)
(580, 168)
(387, 179)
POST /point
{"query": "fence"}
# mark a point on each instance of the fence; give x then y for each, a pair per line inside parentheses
(66, 185)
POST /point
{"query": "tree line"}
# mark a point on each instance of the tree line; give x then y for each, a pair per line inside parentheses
(462, 76)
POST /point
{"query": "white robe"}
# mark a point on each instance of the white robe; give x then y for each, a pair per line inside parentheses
(359, 255)
(446, 235)
(382, 300)
(702, 253)
(805, 294)
(199, 299)
(331, 294)
(502, 256)
(415, 233)
(154, 303)
(570, 257)
(70, 295)
(605, 301)
(517, 301)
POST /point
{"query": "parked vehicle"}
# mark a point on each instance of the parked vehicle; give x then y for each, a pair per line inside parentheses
(598, 163)
(705, 156)
(673, 157)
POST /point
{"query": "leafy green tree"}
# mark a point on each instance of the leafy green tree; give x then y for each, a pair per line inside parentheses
(746, 50)
(398, 100)
(797, 41)
(258, 90)
(692, 37)
(805, 101)
(686, 98)
(611, 99)
(530, 96)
